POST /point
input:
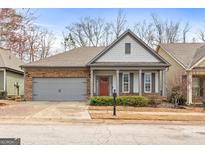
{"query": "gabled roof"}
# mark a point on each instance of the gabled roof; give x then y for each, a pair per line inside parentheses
(78, 57)
(84, 56)
(186, 54)
(10, 61)
(142, 43)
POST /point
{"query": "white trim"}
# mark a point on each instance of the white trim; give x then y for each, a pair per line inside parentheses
(136, 82)
(148, 73)
(140, 82)
(172, 57)
(127, 73)
(156, 82)
(133, 68)
(197, 63)
(91, 82)
(117, 82)
(4, 79)
(189, 87)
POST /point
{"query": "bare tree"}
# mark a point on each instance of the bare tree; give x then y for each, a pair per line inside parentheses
(145, 31)
(201, 33)
(107, 34)
(87, 32)
(46, 39)
(119, 25)
(98, 29)
(76, 35)
(159, 27)
(19, 34)
(185, 30)
(172, 31)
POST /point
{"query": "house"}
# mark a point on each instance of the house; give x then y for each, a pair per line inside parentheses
(11, 75)
(127, 66)
(187, 68)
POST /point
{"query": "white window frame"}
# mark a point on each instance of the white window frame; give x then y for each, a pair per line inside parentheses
(150, 74)
(123, 74)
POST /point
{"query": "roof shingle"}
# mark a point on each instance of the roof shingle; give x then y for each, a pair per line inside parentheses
(78, 57)
(9, 60)
(186, 53)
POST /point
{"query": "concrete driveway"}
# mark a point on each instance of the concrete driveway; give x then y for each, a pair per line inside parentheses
(44, 110)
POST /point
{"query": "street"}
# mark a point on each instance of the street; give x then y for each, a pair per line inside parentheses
(105, 133)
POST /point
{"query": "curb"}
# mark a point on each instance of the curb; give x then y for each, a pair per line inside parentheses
(96, 121)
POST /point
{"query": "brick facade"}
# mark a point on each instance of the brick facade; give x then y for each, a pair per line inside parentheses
(53, 72)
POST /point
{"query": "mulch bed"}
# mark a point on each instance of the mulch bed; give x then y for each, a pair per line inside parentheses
(148, 109)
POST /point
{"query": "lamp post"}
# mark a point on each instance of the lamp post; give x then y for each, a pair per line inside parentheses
(114, 102)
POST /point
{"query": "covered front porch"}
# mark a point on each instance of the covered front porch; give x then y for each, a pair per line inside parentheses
(127, 81)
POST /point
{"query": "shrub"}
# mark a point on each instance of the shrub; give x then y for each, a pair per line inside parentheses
(176, 97)
(138, 101)
(101, 100)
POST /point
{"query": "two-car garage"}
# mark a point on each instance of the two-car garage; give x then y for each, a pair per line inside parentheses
(59, 89)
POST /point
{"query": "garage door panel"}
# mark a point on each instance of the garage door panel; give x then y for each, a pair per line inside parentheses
(59, 88)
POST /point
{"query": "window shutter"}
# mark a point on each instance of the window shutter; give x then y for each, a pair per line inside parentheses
(142, 82)
(153, 82)
(120, 80)
(131, 82)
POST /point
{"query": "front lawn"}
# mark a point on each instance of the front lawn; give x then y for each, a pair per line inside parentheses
(102, 108)
(122, 115)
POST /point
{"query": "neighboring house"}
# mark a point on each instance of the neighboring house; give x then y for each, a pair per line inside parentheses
(10, 74)
(127, 65)
(187, 68)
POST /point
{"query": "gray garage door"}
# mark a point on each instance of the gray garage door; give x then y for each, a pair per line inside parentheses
(59, 89)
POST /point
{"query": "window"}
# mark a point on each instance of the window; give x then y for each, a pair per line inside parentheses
(127, 48)
(126, 82)
(147, 82)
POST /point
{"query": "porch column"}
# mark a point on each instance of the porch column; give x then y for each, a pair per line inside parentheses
(117, 82)
(140, 82)
(164, 83)
(189, 87)
(5, 80)
(91, 82)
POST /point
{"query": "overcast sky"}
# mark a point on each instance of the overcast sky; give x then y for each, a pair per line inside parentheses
(57, 19)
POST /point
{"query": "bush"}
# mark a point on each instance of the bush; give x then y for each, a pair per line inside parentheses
(176, 97)
(138, 101)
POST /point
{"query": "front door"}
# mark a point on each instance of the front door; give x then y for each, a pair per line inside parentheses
(104, 86)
